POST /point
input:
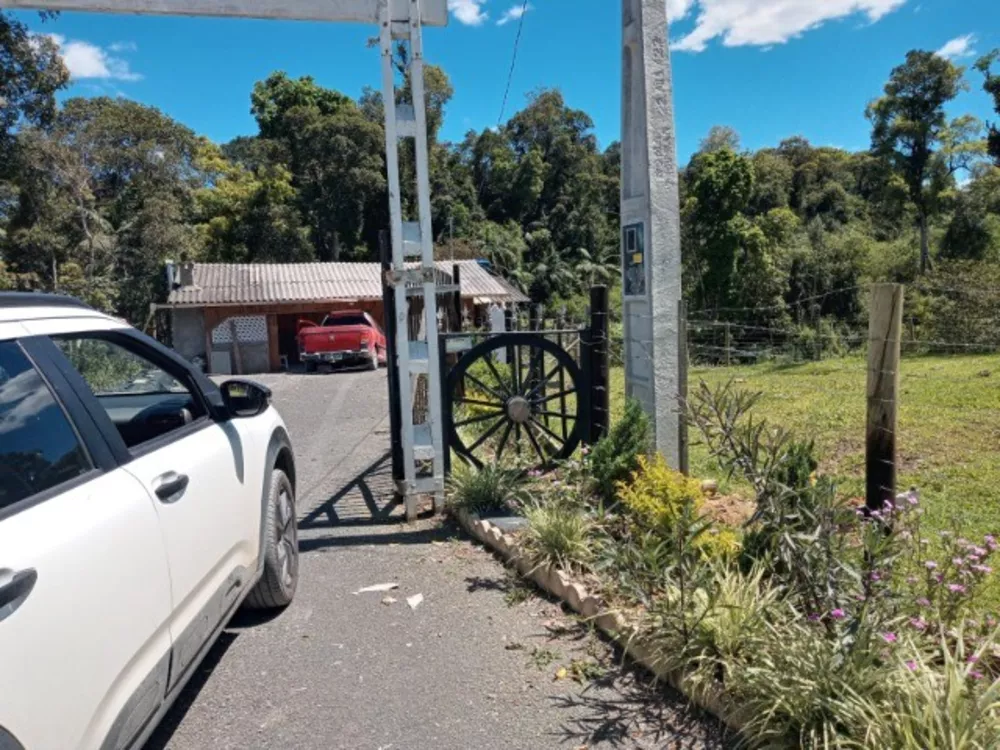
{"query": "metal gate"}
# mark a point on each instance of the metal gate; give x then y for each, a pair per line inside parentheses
(525, 399)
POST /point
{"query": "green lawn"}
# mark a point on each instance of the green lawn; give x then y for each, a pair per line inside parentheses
(949, 441)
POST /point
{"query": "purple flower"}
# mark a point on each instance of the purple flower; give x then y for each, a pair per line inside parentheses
(979, 552)
(838, 614)
(924, 601)
(918, 623)
(982, 569)
(972, 659)
(930, 565)
(889, 637)
(875, 576)
(911, 665)
(975, 675)
(813, 618)
(958, 562)
(956, 588)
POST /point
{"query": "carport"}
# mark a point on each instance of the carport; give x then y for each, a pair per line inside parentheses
(243, 317)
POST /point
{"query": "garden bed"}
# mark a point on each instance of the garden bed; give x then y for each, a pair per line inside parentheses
(799, 619)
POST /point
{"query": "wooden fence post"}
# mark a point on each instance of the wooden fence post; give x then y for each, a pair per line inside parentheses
(600, 410)
(885, 327)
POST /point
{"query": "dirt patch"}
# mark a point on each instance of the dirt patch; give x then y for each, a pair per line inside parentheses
(729, 510)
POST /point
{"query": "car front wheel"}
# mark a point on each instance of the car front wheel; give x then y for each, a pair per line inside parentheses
(276, 587)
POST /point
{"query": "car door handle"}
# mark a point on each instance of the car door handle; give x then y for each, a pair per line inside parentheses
(170, 486)
(14, 589)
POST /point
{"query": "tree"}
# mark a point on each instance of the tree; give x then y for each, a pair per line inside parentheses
(909, 124)
(720, 137)
(274, 98)
(31, 72)
(992, 87)
(248, 216)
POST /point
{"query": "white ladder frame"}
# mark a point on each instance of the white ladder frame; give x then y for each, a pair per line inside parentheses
(419, 442)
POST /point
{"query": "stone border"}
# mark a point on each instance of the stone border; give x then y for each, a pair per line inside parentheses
(575, 595)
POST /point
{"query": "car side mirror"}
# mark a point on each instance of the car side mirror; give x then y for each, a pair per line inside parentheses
(244, 398)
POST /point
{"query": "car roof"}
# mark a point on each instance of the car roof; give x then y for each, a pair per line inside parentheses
(19, 307)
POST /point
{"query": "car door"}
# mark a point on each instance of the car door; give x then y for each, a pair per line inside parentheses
(193, 467)
(84, 585)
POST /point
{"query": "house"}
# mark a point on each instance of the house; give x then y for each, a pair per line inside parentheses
(260, 305)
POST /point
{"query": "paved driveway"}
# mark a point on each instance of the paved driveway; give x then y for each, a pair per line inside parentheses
(473, 666)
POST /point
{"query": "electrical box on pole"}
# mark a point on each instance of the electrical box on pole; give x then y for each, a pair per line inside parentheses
(650, 219)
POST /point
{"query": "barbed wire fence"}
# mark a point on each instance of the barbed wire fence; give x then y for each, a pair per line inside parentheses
(942, 345)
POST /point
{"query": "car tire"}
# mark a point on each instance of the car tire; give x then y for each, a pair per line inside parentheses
(373, 362)
(280, 578)
(310, 367)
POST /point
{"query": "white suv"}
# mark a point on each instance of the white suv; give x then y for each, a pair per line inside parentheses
(140, 505)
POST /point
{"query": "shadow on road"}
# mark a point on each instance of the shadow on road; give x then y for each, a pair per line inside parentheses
(368, 498)
(625, 706)
(165, 731)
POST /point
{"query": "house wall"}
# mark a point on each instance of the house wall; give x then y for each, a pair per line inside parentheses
(189, 333)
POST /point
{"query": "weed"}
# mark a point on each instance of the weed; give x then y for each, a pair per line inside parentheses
(616, 456)
(541, 658)
(585, 670)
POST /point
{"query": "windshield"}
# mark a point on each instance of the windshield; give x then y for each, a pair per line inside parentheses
(345, 320)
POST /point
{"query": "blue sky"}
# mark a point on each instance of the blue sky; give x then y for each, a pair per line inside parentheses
(769, 68)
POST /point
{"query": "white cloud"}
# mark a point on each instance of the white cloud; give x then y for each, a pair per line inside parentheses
(123, 47)
(763, 22)
(678, 9)
(514, 13)
(86, 60)
(469, 12)
(958, 47)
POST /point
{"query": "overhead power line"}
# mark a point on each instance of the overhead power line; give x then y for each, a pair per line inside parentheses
(513, 61)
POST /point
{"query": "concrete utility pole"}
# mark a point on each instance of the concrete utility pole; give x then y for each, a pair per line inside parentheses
(650, 217)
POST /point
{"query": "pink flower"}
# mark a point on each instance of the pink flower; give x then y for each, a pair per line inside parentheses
(975, 675)
(918, 623)
(875, 576)
(956, 588)
(813, 618)
(911, 665)
(958, 562)
(924, 601)
(838, 614)
(889, 637)
(972, 659)
(983, 569)
(930, 565)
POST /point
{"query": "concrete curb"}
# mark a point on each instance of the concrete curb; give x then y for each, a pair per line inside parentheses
(575, 595)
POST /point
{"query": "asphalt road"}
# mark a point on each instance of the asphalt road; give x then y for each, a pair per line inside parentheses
(474, 666)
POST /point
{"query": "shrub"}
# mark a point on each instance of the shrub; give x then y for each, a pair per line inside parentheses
(490, 489)
(798, 688)
(559, 536)
(942, 699)
(657, 494)
(658, 497)
(616, 456)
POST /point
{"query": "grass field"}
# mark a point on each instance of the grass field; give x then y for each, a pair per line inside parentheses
(949, 441)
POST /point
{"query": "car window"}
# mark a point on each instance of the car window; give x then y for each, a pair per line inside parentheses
(110, 369)
(143, 400)
(39, 449)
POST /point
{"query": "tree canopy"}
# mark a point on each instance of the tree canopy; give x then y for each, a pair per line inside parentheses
(97, 193)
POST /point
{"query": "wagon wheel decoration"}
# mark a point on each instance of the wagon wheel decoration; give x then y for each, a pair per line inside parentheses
(535, 403)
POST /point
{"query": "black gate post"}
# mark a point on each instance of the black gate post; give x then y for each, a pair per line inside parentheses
(447, 407)
(389, 323)
(598, 364)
